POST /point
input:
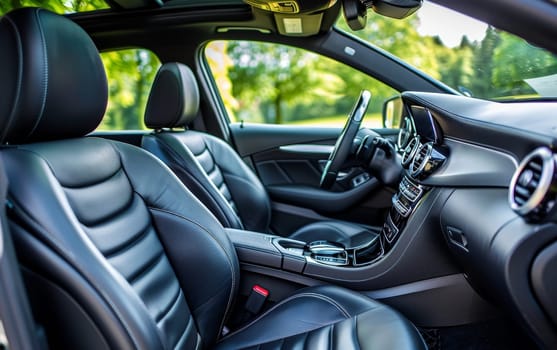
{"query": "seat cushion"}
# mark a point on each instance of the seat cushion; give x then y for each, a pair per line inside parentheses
(350, 235)
(326, 317)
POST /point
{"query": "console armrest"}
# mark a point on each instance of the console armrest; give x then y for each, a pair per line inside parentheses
(267, 250)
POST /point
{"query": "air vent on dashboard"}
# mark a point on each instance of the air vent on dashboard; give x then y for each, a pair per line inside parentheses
(409, 151)
(532, 192)
(421, 160)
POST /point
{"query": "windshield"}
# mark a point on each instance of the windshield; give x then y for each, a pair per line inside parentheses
(469, 56)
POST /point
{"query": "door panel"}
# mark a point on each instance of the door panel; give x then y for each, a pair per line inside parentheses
(288, 160)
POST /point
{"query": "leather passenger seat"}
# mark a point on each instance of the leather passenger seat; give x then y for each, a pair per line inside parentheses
(212, 169)
(116, 253)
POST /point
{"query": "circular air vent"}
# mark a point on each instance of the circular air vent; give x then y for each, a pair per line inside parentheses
(421, 160)
(531, 193)
(409, 151)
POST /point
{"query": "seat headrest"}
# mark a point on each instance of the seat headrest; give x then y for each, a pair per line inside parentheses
(174, 97)
(53, 83)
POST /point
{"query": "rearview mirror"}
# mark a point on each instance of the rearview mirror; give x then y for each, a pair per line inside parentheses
(355, 14)
(395, 8)
(392, 112)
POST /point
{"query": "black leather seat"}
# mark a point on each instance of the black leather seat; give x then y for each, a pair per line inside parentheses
(212, 170)
(115, 251)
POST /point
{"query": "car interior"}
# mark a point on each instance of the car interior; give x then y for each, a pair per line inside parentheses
(199, 230)
(213, 171)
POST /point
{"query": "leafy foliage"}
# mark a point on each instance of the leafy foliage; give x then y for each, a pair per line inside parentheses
(517, 60)
(279, 84)
(271, 83)
(58, 6)
(130, 74)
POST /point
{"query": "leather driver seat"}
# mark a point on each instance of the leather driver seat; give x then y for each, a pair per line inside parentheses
(116, 253)
(212, 170)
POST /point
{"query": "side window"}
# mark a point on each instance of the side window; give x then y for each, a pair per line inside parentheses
(130, 74)
(278, 84)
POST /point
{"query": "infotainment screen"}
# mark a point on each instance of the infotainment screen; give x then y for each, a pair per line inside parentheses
(425, 124)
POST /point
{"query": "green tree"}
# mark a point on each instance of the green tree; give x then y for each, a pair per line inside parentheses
(483, 64)
(455, 64)
(271, 76)
(130, 74)
(517, 60)
(402, 39)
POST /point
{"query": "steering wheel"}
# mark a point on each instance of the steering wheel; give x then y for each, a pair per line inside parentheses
(344, 142)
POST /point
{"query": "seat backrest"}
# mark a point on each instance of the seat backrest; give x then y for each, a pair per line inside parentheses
(115, 251)
(208, 166)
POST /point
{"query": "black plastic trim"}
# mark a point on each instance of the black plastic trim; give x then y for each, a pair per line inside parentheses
(321, 200)
(473, 165)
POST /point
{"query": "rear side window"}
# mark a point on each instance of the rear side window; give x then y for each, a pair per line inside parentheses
(130, 74)
(278, 84)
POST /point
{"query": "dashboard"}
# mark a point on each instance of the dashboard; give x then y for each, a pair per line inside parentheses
(499, 221)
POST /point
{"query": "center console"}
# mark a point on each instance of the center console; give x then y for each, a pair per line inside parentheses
(295, 256)
(404, 202)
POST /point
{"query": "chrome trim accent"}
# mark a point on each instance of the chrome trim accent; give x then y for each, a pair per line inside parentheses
(230, 29)
(416, 171)
(400, 208)
(393, 227)
(406, 133)
(330, 263)
(548, 170)
(410, 151)
(308, 149)
(405, 188)
(380, 250)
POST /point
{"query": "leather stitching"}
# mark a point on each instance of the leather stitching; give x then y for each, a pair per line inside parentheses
(45, 74)
(11, 117)
(294, 297)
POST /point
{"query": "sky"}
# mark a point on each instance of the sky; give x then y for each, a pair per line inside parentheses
(448, 24)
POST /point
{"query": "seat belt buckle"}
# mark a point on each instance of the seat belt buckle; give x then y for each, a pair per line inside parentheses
(256, 299)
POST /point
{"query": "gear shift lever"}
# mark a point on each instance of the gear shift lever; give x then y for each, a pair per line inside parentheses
(326, 252)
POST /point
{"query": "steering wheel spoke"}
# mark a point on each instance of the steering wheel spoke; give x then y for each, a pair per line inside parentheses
(343, 145)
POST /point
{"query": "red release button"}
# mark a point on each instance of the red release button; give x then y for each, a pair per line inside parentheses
(260, 290)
